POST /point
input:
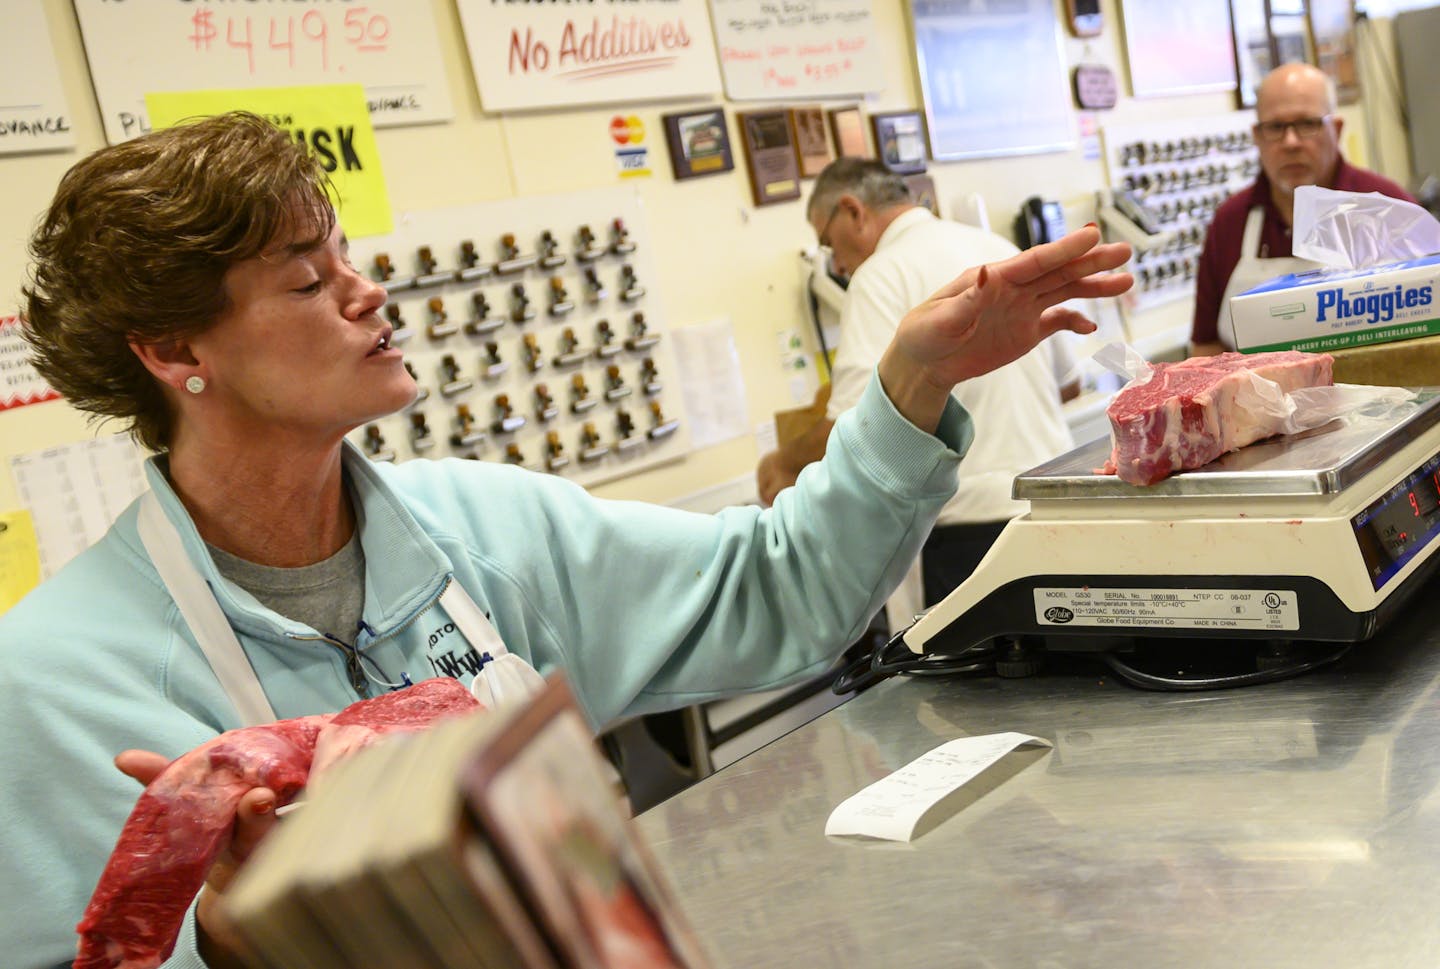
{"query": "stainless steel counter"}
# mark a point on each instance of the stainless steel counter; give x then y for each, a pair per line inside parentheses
(1289, 825)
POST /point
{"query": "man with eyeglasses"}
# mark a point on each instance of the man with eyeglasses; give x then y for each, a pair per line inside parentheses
(897, 254)
(1248, 243)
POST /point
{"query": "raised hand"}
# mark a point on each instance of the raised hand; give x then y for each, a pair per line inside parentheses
(994, 314)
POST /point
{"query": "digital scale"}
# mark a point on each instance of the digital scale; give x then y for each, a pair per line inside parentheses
(1319, 536)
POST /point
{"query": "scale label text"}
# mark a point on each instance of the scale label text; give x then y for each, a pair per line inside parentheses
(1270, 610)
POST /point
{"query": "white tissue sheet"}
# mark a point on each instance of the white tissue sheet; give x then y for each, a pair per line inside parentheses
(1356, 230)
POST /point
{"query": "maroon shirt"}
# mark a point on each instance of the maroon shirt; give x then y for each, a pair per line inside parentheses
(1227, 229)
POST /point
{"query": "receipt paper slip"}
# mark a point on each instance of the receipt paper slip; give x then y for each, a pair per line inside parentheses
(913, 799)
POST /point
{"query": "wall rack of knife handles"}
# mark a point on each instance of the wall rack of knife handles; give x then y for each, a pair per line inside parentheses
(536, 333)
(1164, 182)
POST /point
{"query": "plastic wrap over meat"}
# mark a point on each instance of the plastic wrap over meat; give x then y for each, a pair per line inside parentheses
(183, 819)
(1179, 416)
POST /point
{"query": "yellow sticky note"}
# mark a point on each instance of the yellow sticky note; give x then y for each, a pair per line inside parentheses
(332, 119)
(19, 557)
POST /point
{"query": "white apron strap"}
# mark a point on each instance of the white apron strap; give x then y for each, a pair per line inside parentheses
(1248, 273)
(203, 614)
(506, 679)
(1250, 241)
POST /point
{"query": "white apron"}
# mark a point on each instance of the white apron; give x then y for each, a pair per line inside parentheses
(1251, 271)
(505, 680)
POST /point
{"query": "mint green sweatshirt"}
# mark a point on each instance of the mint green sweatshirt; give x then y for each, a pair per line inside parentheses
(645, 608)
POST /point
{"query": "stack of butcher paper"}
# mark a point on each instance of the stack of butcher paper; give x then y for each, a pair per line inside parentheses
(1179, 416)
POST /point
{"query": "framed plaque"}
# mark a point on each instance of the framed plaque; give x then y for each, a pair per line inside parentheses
(847, 126)
(900, 141)
(812, 148)
(770, 155)
(699, 142)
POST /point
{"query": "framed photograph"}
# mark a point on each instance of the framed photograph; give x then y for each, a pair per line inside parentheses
(812, 148)
(847, 126)
(900, 140)
(770, 155)
(699, 142)
(1178, 48)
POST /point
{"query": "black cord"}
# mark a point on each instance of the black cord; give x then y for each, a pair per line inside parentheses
(819, 330)
(895, 658)
(1154, 681)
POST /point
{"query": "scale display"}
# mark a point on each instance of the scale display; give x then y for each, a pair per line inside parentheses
(1395, 527)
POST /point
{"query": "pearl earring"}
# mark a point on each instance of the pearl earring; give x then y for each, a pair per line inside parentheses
(195, 384)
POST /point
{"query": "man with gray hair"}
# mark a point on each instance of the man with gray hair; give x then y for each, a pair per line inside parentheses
(1248, 242)
(897, 254)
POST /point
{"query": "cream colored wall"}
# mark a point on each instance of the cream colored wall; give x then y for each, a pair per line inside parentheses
(716, 253)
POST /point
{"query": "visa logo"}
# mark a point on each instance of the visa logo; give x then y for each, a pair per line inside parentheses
(1376, 307)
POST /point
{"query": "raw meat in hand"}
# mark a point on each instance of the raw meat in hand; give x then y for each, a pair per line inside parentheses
(178, 827)
(183, 819)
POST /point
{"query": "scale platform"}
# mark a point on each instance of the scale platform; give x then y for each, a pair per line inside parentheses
(1315, 537)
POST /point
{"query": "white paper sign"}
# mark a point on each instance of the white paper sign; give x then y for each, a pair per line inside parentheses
(893, 807)
(19, 383)
(34, 115)
(710, 381)
(544, 55)
(797, 48)
(74, 493)
(391, 47)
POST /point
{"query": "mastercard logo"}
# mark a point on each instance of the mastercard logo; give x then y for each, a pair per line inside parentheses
(627, 129)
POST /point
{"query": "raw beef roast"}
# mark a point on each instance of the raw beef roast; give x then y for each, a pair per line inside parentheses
(183, 819)
(1189, 413)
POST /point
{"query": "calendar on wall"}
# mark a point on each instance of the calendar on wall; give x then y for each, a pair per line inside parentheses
(535, 331)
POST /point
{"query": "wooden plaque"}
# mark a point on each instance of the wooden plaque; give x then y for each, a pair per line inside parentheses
(699, 142)
(847, 125)
(770, 156)
(812, 148)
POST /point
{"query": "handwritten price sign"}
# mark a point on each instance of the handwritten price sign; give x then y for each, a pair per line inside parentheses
(364, 33)
(796, 48)
(828, 70)
(390, 47)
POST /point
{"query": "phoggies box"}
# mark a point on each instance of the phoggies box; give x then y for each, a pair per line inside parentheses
(1332, 309)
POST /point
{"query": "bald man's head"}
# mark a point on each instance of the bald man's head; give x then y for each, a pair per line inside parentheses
(1296, 129)
(1292, 79)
